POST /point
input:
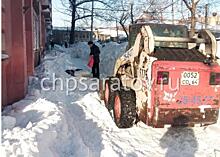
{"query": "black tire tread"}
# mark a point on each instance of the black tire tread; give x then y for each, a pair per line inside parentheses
(128, 108)
(111, 94)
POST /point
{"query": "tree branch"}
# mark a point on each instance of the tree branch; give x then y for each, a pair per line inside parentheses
(124, 28)
(63, 4)
(86, 16)
(86, 1)
(65, 13)
(197, 2)
(187, 5)
(84, 9)
(82, 17)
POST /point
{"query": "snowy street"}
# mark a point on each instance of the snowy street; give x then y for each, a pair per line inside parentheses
(52, 123)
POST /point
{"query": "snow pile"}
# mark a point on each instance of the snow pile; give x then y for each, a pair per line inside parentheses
(8, 122)
(38, 125)
(34, 129)
(59, 48)
(45, 129)
(57, 62)
(81, 50)
(109, 54)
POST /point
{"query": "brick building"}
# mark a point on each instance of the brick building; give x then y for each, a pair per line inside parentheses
(25, 27)
(62, 34)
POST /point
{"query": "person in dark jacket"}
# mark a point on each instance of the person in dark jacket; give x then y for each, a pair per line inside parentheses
(65, 44)
(52, 44)
(95, 52)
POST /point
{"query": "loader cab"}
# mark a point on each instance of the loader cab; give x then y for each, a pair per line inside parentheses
(162, 30)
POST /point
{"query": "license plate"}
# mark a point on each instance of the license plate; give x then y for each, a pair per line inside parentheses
(190, 78)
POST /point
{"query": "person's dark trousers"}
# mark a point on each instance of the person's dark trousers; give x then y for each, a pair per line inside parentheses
(95, 70)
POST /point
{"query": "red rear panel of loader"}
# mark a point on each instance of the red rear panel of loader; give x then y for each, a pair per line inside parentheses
(185, 93)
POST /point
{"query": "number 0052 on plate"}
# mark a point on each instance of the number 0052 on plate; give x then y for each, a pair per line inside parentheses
(189, 78)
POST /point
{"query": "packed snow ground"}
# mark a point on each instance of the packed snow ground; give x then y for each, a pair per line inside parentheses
(54, 124)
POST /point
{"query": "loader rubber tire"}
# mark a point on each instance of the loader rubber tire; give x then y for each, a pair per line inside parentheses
(101, 90)
(109, 93)
(125, 108)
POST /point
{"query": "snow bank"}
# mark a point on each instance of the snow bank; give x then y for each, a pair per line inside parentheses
(109, 54)
(34, 131)
(43, 129)
(8, 122)
(81, 50)
(38, 125)
(61, 59)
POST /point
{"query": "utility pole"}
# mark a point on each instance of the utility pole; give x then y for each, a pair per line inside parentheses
(172, 12)
(117, 30)
(92, 18)
(161, 17)
(206, 16)
(132, 15)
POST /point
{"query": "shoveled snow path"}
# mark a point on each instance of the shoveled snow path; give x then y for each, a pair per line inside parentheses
(53, 124)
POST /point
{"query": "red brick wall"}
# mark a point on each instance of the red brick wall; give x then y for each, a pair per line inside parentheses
(4, 82)
(18, 17)
(15, 71)
(43, 32)
(6, 29)
(29, 36)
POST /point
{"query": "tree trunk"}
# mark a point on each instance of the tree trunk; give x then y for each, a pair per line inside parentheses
(73, 23)
(193, 20)
(132, 15)
(192, 9)
(117, 31)
(92, 21)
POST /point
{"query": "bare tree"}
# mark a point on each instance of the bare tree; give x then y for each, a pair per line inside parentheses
(117, 12)
(125, 15)
(125, 11)
(123, 19)
(112, 10)
(192, 6)
(78, 10)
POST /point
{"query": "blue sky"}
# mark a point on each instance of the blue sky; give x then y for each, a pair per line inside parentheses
(60, 20)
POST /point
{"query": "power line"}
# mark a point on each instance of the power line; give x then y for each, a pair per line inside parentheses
(110, 9)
